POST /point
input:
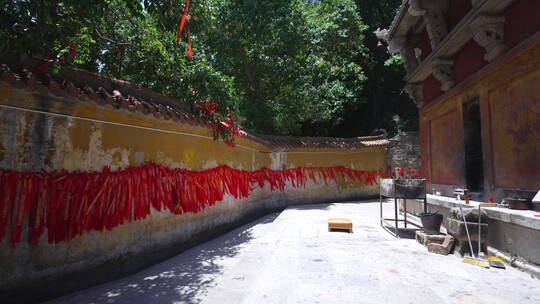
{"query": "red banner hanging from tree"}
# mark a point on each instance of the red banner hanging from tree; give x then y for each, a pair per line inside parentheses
(186, 21)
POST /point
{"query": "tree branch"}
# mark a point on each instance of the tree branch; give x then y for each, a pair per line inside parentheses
(116, 42)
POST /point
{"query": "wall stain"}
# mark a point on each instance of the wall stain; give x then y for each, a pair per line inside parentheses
(9, 137)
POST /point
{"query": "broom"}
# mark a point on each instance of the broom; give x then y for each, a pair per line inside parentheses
(493, 261)
(472, 260)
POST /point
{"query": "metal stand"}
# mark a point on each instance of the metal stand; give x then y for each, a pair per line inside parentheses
(401, 189)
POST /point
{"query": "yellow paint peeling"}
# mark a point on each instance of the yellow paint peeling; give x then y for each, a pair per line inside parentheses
(90, 144)
(189, 157)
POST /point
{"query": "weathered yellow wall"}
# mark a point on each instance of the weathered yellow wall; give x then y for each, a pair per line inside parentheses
(47, 132)
(367, 159)
(106, 136)
(87, 137)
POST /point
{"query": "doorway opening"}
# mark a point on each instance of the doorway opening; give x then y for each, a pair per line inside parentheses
(474, 168)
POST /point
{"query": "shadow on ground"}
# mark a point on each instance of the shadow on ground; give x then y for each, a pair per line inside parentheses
(401, 233)
(327, 206)
(181, 279)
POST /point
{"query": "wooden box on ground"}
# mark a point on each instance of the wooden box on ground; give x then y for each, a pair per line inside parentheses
(340, 224)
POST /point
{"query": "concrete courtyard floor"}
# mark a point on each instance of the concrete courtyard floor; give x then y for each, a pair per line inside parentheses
(291, 257)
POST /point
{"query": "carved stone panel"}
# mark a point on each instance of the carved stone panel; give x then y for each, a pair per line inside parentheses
(443, 70)
(405, 46)
(415, 91)
(415, 8)
(434, 16)
(488, 32)
(395, 44)
(436, 26)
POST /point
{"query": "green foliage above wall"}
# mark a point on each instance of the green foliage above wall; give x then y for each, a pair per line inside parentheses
(292, 67)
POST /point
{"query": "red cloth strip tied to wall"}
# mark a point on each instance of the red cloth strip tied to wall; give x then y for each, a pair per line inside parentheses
(409, 173)
(68, 204)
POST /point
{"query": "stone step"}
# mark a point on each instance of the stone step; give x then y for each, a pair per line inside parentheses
(456, 229)
(470, 213)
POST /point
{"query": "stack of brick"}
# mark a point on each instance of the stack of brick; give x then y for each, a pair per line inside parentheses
(436, 243)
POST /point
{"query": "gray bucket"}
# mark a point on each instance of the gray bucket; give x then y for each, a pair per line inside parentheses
(431, 221)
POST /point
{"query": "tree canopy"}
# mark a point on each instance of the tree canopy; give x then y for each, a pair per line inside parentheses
(290, 67)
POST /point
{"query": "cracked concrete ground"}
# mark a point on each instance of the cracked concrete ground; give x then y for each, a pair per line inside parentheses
(291, 257)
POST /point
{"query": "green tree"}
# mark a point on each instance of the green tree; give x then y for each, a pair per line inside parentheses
(118, 38)
(292, 61)
(385, 78)
(300, 67)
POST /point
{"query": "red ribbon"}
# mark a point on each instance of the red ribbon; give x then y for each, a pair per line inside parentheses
(70, 203)
(409, 173)
(45, 66)
(73, 50)
(181, 28)
(58, 61)
(182, 22)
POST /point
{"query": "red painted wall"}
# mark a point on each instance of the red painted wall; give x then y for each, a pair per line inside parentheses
(522, 20)
(424, 146)
(515, 127)
(431, 89)
(446, 149)
(424, 44)
(468, 60)
(458, 9)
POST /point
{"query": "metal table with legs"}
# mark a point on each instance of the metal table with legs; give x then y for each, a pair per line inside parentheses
(401, 189)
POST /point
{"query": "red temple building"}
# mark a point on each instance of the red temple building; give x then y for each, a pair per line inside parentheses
(473, 70)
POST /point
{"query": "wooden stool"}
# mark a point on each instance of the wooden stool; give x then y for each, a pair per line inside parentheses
(340, 224)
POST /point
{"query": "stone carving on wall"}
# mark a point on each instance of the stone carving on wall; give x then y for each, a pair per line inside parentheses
(436, 26)
(396, 44)
(433, 13)
(404, 46)
(415, 8)
(443, 70)
(416, 93)
(488, 32)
